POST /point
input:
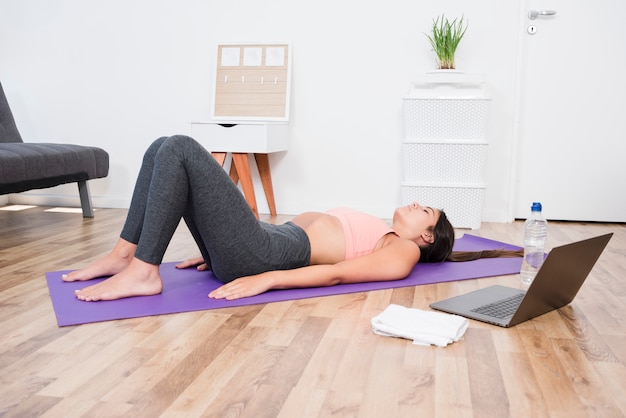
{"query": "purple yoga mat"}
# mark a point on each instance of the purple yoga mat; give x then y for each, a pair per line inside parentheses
(186, 290)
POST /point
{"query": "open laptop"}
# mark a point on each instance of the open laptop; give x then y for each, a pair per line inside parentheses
(555, 285)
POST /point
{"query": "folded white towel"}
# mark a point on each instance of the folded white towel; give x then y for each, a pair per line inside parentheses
(423, 327)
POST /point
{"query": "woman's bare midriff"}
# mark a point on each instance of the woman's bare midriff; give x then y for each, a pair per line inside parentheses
(325, 235)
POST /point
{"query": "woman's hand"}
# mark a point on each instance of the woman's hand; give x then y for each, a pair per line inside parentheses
(244, 287)
(197, 262)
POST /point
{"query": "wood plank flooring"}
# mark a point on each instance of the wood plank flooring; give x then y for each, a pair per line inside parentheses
(307, 358)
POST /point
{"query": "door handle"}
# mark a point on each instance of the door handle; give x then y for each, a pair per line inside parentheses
(533, 14)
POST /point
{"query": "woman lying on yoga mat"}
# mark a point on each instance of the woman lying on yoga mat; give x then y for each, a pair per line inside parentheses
(180, 179)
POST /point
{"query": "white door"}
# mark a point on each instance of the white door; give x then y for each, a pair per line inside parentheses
(572, 127)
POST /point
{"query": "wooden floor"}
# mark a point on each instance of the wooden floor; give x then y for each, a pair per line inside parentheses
(306, 358)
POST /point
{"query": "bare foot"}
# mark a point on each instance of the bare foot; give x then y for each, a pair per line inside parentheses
(138, 279)
(119, 258)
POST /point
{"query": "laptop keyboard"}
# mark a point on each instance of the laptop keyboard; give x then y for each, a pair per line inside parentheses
(502, 308)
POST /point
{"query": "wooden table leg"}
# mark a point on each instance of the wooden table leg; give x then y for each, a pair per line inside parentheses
(240, 160)
(263, 164)
(240, 170)
(234, 175)
(220, 157)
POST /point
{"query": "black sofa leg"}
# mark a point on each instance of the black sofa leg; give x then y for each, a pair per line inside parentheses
(85, 199)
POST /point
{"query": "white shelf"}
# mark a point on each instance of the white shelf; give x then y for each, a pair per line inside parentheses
(462, 203)
(446, 84)
(445, 146)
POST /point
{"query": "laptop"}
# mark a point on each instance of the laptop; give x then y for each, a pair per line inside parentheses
(555, 285)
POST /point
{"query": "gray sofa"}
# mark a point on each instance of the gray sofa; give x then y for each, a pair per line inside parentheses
(27, 166)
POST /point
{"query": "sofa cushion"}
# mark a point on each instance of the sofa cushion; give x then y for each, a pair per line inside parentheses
(26, 166)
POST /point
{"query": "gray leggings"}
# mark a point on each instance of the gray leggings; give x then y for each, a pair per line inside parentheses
(180, 179)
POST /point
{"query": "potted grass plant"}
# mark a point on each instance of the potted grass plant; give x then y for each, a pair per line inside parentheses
(445, 37)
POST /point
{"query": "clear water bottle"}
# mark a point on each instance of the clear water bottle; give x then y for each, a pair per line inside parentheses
(535, 235)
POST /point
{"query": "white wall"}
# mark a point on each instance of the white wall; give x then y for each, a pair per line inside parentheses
(118, 74)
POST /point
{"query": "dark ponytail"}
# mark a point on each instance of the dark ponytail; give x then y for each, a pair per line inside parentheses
(441, 249)
(475, 255)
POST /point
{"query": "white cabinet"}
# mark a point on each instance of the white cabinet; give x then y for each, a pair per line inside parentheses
(445, 146)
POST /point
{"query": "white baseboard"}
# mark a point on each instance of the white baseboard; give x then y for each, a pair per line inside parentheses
(495, 216)
(65, 201)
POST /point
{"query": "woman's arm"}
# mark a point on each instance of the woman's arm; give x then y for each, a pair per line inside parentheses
(391, 262)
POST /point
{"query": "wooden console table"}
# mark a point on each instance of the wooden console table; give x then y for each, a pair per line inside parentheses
(241, 139)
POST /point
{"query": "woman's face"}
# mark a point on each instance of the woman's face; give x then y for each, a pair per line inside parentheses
(416, 223)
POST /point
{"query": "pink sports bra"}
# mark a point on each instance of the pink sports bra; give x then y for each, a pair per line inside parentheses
(361, 231)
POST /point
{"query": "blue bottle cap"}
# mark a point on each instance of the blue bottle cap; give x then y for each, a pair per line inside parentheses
(536, 207)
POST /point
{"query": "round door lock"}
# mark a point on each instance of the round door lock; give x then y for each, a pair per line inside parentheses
(532, 29)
